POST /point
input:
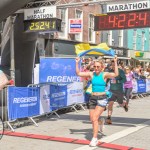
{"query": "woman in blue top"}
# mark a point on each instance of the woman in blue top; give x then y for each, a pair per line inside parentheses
(98, 99)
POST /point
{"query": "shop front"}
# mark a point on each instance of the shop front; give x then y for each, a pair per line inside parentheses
(121, 54)
(139, 58)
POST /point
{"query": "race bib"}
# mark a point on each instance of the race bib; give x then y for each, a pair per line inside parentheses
(128, 79)
(113, 80)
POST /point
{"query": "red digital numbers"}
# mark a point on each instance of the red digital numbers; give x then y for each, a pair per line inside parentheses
(132, 20)
(123, 20)
(112, 21)
(142, 18)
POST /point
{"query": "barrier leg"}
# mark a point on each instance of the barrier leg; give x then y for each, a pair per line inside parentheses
(56, 114)
(53, 112)
(74, 108)
(33, 121)
(8, 123)
(81, 106)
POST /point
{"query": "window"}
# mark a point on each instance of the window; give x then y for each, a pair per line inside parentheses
(91, 35)
(63, 16)
(78, 14)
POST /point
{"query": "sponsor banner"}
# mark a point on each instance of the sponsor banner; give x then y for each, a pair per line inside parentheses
(44, 99)
(36, 74)
(141, 86)
(58, 96)
(75, 93)
(128, 6)
(58, 70)
(135, 87)
(23, 102)
(40, 13)
(75, 26)
(147, 85)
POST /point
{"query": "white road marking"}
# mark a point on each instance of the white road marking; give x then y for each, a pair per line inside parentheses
(125, 132)
(117, 135)
(86, 147)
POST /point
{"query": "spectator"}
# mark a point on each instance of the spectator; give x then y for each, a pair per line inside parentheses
(128, 86)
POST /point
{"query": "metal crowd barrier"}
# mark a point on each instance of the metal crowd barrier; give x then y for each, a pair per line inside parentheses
(48, 114)
(4, 108)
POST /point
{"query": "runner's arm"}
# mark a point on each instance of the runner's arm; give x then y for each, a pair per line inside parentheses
(79, 73)
(112, 74)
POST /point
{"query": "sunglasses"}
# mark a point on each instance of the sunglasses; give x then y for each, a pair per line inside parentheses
(96, 67)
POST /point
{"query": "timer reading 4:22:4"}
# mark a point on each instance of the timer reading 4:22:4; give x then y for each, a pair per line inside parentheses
(123, 20)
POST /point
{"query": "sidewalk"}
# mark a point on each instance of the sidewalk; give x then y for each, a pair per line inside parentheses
(129, 129)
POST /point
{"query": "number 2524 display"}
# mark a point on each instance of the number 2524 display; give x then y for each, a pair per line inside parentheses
(123, 20)
(51, 24)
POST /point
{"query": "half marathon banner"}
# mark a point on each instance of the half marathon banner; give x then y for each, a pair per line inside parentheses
(141, 5)
(58, 70)
(23, 102)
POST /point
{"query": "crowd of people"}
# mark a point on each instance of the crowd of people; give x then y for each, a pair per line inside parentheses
(106, 83)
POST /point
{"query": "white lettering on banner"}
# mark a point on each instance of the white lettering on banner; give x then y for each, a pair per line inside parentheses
(27, 105)
(55, 95)
(142, 85)
(25, 100)
(76, 91)
(63, 79)
(128, 7)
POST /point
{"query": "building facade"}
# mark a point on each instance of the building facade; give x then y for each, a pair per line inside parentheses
(57, 42)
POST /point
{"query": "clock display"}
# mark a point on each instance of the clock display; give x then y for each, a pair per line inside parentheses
(122, 20)
(52, 24)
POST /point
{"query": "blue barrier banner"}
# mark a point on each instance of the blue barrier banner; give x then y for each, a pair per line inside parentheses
(60, 70)
(147, 85)
(58, 96)
(23, 102)
(141, 86)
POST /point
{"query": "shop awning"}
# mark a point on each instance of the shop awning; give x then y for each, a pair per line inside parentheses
(141, 59)
(110, 57)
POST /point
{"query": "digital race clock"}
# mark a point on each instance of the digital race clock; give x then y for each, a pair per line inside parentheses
(122, 20)
(51, 24)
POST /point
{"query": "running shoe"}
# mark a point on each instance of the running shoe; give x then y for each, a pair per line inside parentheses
(108, 121)
(125, 108)
(93, 142)
(101, 124)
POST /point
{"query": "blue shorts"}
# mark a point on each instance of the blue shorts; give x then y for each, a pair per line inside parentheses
(97, 101)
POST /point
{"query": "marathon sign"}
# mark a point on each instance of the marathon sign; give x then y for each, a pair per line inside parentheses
(128, 6)
(40, 13)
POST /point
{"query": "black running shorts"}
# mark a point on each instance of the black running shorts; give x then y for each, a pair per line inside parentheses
(117, 96)
(94, 101)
